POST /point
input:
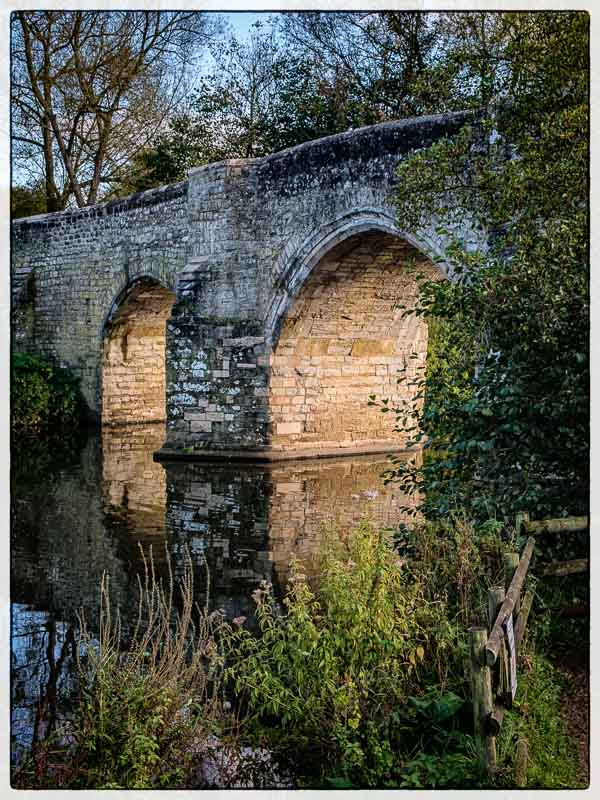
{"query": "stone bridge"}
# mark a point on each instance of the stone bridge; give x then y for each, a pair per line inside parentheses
(253, 306)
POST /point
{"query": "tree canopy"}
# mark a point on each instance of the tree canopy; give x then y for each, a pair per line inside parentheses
(91, 89)
(507, 391)
(311, 74)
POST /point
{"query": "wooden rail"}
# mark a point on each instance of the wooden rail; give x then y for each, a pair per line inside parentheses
(561, 525)
(493, 677)
(559, 568)
(492, 646)
(522, 619)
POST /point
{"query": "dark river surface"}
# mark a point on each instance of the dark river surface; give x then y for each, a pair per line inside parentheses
(77, 516)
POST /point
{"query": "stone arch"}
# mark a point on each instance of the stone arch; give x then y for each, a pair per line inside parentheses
(338, 335)
(297, 261)
(133, 373)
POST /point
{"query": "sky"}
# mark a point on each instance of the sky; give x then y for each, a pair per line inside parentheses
(241, 21)
(239, 25)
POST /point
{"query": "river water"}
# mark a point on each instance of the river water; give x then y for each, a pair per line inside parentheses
(79, 514)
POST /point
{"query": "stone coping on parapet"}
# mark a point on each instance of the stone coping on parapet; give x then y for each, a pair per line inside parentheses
(335, 138)
(158, 194)
(161, 194)
(266, 457)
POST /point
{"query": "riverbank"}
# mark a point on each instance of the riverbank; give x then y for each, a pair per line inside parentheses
(575, 706)
(354, 680)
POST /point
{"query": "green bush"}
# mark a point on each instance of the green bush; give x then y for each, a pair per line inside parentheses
(363, 680)
(323, 681)
(44, 398)
(456, 562)
(506, 399)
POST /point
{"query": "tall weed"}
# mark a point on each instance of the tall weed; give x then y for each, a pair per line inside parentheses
(150, 699)
(322, 679)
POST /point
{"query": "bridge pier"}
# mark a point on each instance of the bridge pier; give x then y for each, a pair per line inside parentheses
(217, 385)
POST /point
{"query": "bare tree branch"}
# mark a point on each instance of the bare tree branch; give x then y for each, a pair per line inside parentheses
(90, 87)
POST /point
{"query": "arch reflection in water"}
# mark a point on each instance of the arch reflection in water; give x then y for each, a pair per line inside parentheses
(249, 521)
(75, 521)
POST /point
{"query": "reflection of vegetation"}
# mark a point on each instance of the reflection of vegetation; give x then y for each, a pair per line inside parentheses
(44, 398)
(42, 661)
(32, 466)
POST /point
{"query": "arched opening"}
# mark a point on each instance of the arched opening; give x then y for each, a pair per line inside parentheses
(133, 362)
(344, 338)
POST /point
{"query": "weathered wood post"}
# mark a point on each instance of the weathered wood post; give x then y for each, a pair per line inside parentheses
(496, 596)
(481, 690)
(494, 643)
(494, 653)
(521, 758)
(495, 600)
(511, 562)
(521, 520)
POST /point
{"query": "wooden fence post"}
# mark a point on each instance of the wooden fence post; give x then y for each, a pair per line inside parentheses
(511, 562)
(521, 519)
(495, 600)
(481, 688)
(496, 637)
(521, 758)
(499, 672)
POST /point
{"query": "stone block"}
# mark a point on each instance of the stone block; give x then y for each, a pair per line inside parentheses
(287, 428)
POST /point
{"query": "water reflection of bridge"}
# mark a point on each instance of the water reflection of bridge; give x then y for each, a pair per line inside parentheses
(74, 522)
(245, 521)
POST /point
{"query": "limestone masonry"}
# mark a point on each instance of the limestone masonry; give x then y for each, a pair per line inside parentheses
(253, 306)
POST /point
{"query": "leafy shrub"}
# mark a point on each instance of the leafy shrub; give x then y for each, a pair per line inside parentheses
(44, 397)
(357, 682)
(456, 562)
(507, 399)
(321, 681)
